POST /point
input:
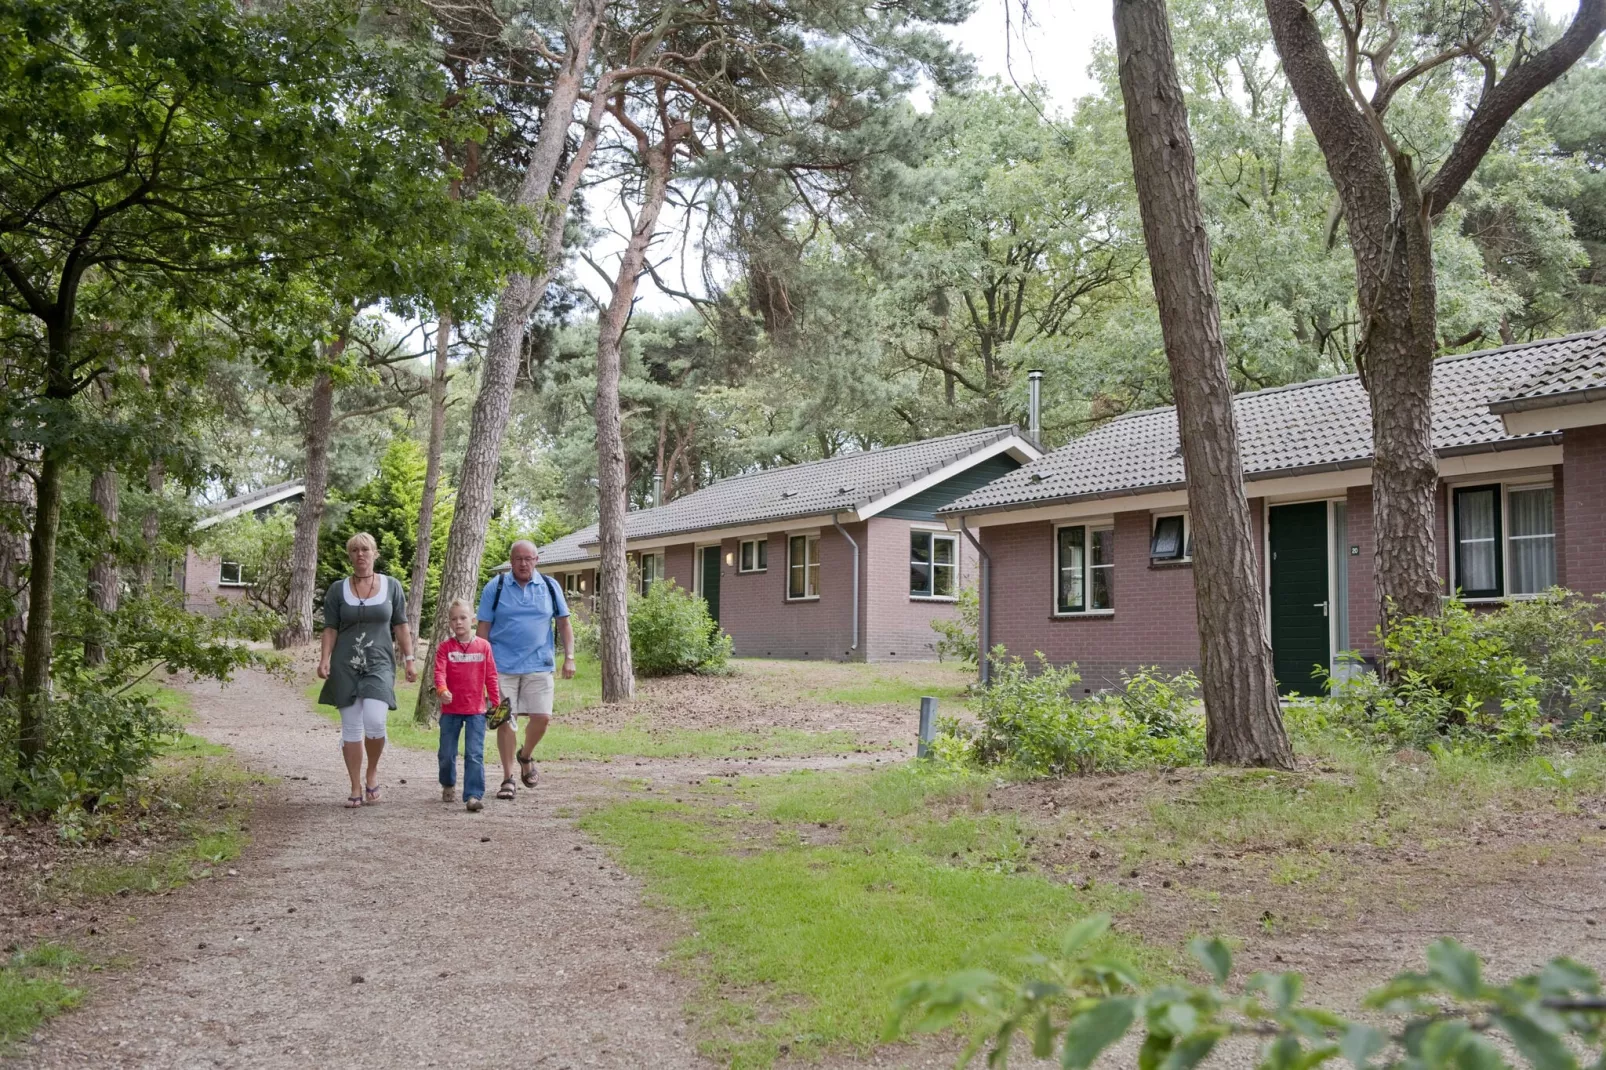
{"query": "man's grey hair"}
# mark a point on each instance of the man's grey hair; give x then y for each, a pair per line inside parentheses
(524, 542)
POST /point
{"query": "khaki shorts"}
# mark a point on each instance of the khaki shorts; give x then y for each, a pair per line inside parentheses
(528, 692)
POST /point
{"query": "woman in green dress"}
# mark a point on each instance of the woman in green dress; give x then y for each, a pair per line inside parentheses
(362, 614)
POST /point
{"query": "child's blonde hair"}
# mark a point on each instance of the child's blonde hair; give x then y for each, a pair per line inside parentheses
(457, 603)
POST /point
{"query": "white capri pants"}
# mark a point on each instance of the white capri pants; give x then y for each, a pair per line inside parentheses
(365, 717)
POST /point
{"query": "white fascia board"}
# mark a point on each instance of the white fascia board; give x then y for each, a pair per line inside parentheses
(251, 507)
(1014, 445)
(1277, 488)
(709, 536)
(1554, 418)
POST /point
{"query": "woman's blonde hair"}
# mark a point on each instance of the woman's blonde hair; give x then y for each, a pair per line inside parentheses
(361, 540)
(467, 606)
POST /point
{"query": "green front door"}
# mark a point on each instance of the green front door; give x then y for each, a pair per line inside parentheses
(1299, 603)
(711, 580)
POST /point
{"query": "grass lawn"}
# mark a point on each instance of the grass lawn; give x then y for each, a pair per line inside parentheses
(34, 986)
(636, 739)
(812, 897)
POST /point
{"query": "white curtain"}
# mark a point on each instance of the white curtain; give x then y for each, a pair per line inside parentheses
(1475, 532)
(1533, 539)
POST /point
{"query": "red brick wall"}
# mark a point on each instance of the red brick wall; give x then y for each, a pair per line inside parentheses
(1154, 621)
(1584, 454)
(898, 627)
(679, 563)
(204, 594)
(1560, 507)
(762, 623)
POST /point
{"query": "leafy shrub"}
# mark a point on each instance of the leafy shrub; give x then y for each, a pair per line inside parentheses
(1080, 1003)
(671, 632)
(959, 637)
(1561, 638)
(1032, 718)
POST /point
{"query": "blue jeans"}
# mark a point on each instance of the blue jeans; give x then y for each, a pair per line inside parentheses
(472, 727)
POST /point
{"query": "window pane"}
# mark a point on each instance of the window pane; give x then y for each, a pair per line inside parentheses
(1071, 561)
(942, 549)
(1533, 539)
(763, 554)
(1167, 543)
(1104, 546)
(1101, 573)
(798, 566)
(1477, 546)
(747, 557)
(942, 580)
(813, 550)
(920, 546)
(228, 572)
(920, 563)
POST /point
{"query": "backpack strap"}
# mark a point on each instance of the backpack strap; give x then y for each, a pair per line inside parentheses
(552, 589)
(501, 578)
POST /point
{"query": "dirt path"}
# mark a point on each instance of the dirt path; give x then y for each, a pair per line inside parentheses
(497, 939)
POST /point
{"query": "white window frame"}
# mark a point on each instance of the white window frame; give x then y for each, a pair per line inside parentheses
(239, 574)
(932, 566)
(1090, 526)
(571, 585)
(741, 556)
(657, 557)
(1532, 482)
(810, 566)
(1187, 538)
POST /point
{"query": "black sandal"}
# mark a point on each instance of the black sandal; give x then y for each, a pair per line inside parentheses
(527, 771)
(507, 790)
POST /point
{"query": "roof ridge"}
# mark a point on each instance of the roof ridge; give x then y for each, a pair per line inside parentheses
(998, 430)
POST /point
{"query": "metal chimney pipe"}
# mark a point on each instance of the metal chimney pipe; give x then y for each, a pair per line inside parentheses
(657, 489)
(1034, 404)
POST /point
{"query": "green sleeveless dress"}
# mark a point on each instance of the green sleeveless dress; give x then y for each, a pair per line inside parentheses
(363, 664)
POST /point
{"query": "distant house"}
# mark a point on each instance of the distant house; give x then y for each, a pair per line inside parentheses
(1090, 546)
(209, 583)
(838, 559)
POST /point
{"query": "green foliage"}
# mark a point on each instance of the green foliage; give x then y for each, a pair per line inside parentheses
(1447, 1018)
(671, 632)
(1504, 678)
(959, 637)
(34, 986)
(262, 545)
(1033, 719)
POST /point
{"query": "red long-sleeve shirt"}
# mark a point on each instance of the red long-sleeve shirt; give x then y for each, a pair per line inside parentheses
(468, 671)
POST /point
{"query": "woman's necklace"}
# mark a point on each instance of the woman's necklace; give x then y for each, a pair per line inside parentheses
(373, 587)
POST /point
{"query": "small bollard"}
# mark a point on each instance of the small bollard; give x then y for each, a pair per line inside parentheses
(928, 726)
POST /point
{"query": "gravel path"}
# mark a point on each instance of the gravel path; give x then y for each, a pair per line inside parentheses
(497, 939)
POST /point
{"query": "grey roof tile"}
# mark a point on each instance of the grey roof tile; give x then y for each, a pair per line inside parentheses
(1577, 369)
(1283, 430)
(569, 549)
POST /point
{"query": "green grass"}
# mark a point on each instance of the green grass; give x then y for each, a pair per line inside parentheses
(811, 898)
(33, 987)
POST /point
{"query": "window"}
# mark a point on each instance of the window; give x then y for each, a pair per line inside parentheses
(803, 567)
(652, 570)
(1172, 539)
(755, 555)
(571, 584)
(1085, 570)
(233, 574)
(1505, 540)
(933, 564)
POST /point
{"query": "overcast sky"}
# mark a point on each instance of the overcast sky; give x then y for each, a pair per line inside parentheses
(1054, 50)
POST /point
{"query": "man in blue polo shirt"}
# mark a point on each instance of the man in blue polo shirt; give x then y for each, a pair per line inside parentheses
(519, 614)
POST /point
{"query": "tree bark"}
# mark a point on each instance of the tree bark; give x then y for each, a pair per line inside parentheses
(613, 594)
(17, 500)
(150, 525)
(465, 544)
(104, 582)
(432, 473)
(1243, 722)
(309, 521)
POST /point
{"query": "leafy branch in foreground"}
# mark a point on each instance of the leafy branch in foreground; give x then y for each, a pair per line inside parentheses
(1449, 1016)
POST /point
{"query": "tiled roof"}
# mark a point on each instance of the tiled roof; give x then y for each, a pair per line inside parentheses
(251, 501)
(1325, 423)
(1577, 372)
(838, 485)
(569, 549)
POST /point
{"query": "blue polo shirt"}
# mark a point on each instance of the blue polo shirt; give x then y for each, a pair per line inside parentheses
(521, 624)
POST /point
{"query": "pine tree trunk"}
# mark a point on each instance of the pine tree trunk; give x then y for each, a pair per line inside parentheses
(1243, 721)
(309, 521)
(471, 513)
(432, 474)
(17, 501)
(34, 700)
(150, 525)
(613, 594)
(103, 576)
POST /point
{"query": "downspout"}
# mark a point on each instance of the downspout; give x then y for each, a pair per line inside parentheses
(986, 599)
(844, 533)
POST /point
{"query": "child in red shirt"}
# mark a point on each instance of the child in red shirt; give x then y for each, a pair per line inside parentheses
(465, 680)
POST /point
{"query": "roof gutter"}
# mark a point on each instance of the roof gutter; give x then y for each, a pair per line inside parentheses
(1503, 446)
(1548, 401)
(984, 673)
(844, 533)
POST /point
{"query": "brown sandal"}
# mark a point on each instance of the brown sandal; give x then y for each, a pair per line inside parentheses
(527, 771)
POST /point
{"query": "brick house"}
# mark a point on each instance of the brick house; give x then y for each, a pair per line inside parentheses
(1087, 549)
(839, 559)
(210, 584)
